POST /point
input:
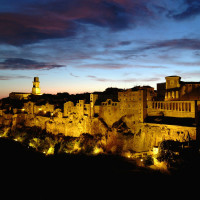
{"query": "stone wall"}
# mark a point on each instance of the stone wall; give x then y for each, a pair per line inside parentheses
(125, 134)
(71, 126)
(144, 136)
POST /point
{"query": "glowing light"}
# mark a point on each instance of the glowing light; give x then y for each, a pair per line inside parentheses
(97, 150)
(50, 151)
(127, 154)
(155, 150)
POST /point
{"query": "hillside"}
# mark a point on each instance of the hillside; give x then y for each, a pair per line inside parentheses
(30, 173)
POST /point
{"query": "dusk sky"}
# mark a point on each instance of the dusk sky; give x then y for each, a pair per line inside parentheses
(80, 46)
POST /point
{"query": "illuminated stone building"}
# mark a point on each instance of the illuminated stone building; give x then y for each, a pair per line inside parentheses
(36, 86)
(21, 95)
(130, 102)
(170, 114)
(175, 89)
(180, 99)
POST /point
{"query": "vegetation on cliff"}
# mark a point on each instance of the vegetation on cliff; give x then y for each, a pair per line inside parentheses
(48, 143)
(119, 139)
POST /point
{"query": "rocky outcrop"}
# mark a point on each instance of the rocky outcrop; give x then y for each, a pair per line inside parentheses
(123, 135)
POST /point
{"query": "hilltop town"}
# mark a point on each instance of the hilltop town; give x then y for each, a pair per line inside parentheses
(130, 120)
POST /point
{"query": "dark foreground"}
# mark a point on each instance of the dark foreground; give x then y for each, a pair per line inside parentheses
(30, 175)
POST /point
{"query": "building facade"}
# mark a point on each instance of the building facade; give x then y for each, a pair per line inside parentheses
(176, 115)
(21, 95)
(175, 89)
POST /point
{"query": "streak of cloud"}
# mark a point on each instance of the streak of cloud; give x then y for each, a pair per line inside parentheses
(26, 64)
(123, 80)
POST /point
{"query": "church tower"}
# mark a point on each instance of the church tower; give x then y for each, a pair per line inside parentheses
(36, 86)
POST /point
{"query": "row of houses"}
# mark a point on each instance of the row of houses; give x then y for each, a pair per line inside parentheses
(139, 102)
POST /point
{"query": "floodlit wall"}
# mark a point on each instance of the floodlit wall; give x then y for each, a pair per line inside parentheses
(133, 103)
(43, 108)
(29, 107)
(81, 108)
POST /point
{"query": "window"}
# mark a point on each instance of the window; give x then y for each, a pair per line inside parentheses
(189, 108)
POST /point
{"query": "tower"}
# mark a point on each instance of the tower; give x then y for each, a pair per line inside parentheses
(36, 86)
(93, 99)
(173, 84)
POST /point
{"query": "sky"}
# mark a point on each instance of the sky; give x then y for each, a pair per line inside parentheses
(78, 46)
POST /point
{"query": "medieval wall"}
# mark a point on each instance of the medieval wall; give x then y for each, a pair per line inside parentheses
(73, 125)
(123, 136)
(143, 137)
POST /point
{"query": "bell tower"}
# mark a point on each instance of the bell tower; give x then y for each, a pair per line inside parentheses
(36, 86)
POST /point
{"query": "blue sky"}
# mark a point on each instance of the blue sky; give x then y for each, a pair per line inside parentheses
(88, 45)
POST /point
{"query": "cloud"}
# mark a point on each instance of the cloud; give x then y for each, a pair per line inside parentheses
(119, 66)
(26, 64)
(189, 75)
(110, 80)
(117, 44)
(178, 44)
(124, 43)
(192, 9)
(123, 80)
(61, 19)
(19, 29)
(183, 43)
(3, 78)
(188, 63)
(104, 66)
(100, 79)
(74, 75)
(114, 14)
